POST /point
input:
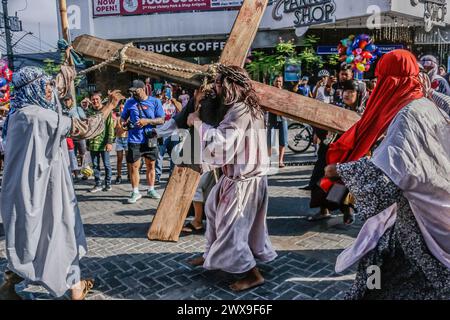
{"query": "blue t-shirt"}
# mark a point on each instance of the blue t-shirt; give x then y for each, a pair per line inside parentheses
(151, 109)
(304, 90)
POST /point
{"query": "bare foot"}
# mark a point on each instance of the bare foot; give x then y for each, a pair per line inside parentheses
(197, 261)
(77, 291)
(253, 279)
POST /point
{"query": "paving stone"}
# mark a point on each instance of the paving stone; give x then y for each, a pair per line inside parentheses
(126, 265)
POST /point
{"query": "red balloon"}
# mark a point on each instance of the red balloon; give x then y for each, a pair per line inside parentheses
(342, 58)
(367, 55)
(367, 67)
(362, 44)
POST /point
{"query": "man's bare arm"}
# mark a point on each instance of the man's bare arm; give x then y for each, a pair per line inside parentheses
(155, 122)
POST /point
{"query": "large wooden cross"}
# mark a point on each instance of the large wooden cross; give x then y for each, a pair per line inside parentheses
(176, 200)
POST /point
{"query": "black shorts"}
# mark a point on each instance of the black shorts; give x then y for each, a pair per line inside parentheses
(137, 150)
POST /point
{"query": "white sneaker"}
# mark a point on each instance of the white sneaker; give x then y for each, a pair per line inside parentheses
(134, 197)
(96, 189)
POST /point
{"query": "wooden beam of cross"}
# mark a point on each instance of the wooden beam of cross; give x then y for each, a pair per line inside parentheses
(176, 200)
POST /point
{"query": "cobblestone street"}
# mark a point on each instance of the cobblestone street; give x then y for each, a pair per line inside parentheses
(126, 265)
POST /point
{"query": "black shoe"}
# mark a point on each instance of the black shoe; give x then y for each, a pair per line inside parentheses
(157, 182)
(107, 188)
(84, 177)
(118, 180)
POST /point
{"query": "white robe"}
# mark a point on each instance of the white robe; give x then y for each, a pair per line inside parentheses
(236, 232)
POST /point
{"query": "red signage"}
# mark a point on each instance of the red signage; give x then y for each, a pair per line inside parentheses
(155, 6)
(136, 7)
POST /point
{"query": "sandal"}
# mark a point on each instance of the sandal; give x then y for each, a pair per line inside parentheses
(88, 285)
(318, 216)
(193, 229)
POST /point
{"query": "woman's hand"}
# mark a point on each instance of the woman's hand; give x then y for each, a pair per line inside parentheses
(115, 96)
(331, 172)
(192, 118)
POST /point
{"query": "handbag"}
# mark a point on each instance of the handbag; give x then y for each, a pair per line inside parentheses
(152, 142)
(337, 194)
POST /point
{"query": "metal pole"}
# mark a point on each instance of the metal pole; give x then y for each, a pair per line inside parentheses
(9, 50)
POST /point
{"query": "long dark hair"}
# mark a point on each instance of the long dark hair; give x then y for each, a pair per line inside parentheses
(237, 87)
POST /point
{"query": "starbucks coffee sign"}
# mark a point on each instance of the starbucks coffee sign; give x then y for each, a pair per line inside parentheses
(434, 12)
(305, 12)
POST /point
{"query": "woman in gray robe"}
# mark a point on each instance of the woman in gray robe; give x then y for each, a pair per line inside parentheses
(44, 232)
(236, 232)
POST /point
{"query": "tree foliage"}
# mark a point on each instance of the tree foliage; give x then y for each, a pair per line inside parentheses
(264, 67)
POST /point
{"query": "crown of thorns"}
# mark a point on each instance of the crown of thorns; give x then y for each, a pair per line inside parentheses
(227, 72)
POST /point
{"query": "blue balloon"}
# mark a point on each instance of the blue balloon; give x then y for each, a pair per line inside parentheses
(349, 51)
(355, 44)
(3, 82)
(371, 48)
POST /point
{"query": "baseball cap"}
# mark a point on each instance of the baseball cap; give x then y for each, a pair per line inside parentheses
(136, 84)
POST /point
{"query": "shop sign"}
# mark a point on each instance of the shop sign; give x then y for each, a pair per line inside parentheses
(434, 12)
(106, 7)
(186, 48)
(305, 12)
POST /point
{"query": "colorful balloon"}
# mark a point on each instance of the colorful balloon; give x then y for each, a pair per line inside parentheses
(360, 52)
(363, 44)
(361, 67)
(371, 47)
(367, 55)
(365, 37)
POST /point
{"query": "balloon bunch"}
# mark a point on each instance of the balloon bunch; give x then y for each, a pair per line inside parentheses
(5, 79)
(359, 51)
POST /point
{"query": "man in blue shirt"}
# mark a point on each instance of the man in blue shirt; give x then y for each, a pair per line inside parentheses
(140, 114)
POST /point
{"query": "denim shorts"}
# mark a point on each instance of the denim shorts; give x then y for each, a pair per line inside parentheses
(283, 133)
(122, 144)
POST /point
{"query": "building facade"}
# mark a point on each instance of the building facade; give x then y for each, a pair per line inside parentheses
(196, 30)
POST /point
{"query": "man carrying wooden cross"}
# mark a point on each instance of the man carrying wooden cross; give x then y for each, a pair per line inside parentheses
(236, 232)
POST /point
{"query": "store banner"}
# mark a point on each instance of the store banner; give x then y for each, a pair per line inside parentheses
(323, 50)
(137, 7)
(158, 6)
